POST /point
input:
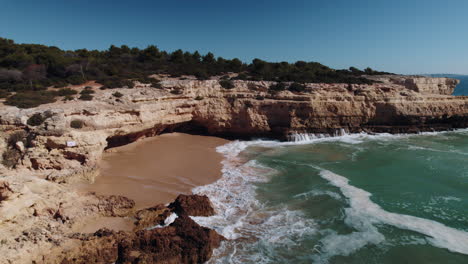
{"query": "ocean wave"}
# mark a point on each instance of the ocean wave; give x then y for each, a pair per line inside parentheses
(364, 213)
(254, 231)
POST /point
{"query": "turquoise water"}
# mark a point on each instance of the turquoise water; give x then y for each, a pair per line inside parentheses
(350, 199)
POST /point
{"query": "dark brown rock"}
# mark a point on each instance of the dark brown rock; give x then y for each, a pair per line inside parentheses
(182, 242)
(151, 216)
(194, 205)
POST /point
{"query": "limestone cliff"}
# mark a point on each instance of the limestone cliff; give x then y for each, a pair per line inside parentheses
(62, 151)
(398, 104)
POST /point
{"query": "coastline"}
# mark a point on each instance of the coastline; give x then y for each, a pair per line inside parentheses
(155, 170)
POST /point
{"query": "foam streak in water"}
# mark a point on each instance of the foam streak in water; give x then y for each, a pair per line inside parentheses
(368, 212)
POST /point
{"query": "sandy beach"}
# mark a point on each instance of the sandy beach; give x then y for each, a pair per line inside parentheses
(155, 170)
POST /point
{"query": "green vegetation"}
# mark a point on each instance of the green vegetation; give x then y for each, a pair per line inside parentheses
(117, 94)
(176, 91)
(11, 157)
(4, 94)
(226, 84)
(199, 98)
(18, 136)
(76, 123)
(277, 87)
(297, 87)
(36, 120)
(29, 99)
(29, 69)
(86, 97)
(87, 91)
(65, 92)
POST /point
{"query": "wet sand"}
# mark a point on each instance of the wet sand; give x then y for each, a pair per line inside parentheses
(156, 170)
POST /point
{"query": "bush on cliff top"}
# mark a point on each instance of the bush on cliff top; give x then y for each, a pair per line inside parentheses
(30, 99)
(11, 158)
(31, 67)
(277, 87)
(86, 97)
(297, 87)
(226, 84)
(76, 123)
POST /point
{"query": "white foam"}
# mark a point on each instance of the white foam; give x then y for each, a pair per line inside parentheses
(318, 193)
(242, 218)
(169, 220)
(246, 223)
(367, 213)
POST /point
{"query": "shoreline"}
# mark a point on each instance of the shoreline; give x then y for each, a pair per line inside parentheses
(155, 170)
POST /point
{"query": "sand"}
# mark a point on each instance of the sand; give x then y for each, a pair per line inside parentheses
(156, 170)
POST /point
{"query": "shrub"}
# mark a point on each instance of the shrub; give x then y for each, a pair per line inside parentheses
(155, 83)
(65, 92)
(176, 91)
(226, 84)
(116, 82)
(87, 91)
(259, 97)
(75, 80)
(117, 94)
(17, 136)
(76, 123)
(241, 76)
(86, 97)
(68, 98)
(4, 94)
(297, 87)
(36, 120)
(199, 98)
(277, 87)
(11, 157)
(30, 99)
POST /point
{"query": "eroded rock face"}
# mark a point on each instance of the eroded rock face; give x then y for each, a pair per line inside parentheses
(5, 190)
(39, 191)
(183, 241)
(194, 205)
(398, 104)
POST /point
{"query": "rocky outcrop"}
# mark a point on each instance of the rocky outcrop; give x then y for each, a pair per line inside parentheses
(420, 84)
(183, 241)
(36, 194)
(396, 104)
(194, 205)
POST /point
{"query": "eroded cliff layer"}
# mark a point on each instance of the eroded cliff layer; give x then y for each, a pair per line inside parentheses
(398, 104)
(37, 206)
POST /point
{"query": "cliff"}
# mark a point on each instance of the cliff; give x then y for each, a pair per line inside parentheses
(397, 105)
(55, 152)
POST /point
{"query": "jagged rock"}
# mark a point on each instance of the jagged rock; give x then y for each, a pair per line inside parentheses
(194, 205)
(5, 190)
(182, 242)
(151, 216)
(115, 205)
(397, 104)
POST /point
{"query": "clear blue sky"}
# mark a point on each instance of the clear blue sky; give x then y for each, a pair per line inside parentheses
(403, 36)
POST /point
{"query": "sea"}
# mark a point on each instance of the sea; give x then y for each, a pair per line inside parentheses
(354, 198)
